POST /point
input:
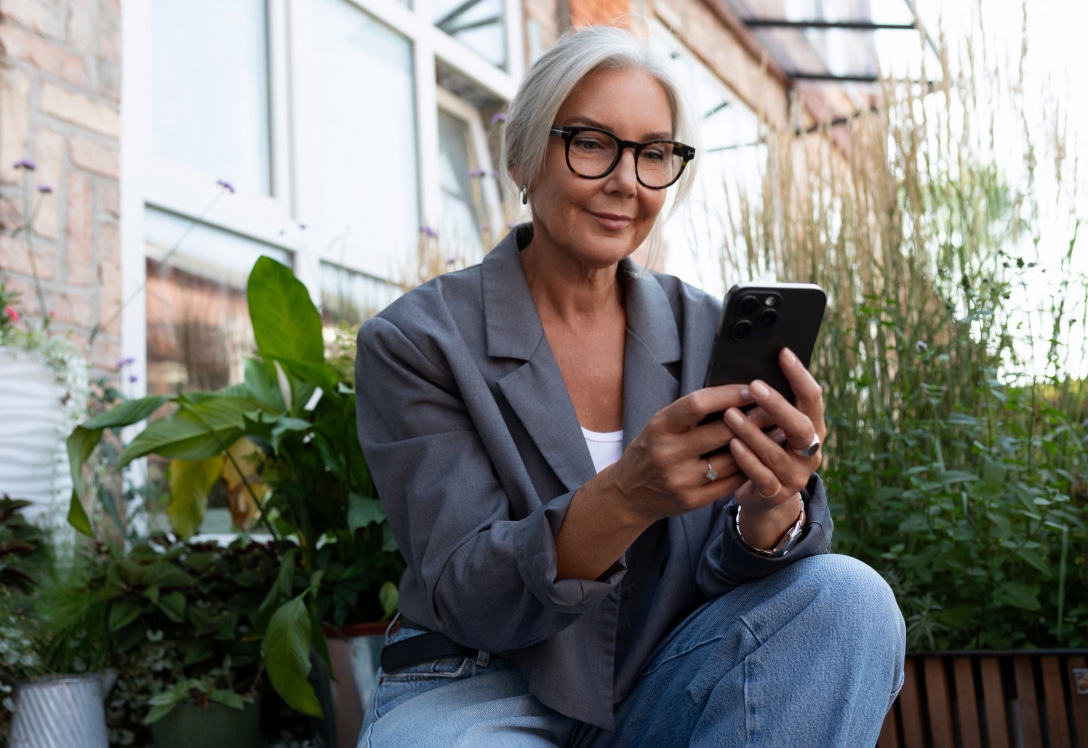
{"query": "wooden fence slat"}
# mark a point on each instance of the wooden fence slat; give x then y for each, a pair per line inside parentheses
(993, 699)
(1079, 702)
(967, 702)
(1057, 722)
(1029, 703)
(889, 731)
(940, 708)
(911, 708)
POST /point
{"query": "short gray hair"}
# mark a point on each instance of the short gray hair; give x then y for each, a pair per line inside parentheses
(555, 75)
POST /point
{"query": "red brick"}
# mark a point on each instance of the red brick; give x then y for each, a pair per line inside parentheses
(591, 12)
(49, 155)
(14, 118)
(109, 198)
(80, 110)
(46, 57)
(79, 260)
(109, 30)
(73, 308)
(95, 156)
(38, 17)
(14, 258)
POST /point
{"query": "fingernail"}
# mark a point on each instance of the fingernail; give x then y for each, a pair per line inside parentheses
(791, 357)
(759, 389)
(746, 394)
(734, 418)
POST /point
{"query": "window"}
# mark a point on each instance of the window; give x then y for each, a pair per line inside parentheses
(341, 132)
(730, 155)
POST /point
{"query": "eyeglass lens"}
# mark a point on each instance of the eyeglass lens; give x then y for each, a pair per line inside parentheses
(593, 153)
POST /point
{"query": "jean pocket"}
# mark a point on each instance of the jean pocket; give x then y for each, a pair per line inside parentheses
(394, 688)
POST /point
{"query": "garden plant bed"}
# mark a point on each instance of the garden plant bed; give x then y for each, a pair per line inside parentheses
(989, 698)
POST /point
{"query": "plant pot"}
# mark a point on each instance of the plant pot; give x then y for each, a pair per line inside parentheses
(190, 726)
(354, 652)
(33, 454)
(62, 711)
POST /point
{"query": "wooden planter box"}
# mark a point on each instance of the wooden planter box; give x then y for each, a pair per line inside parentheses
(995, 699)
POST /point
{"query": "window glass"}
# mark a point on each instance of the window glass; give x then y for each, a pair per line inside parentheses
(198, 329)
(368, 194)
(349, 298)
(730, 156)
(210, 89)
(478, 24)
(463, 206)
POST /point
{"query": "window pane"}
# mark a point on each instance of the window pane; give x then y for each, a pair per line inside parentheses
(348, 298)
(209, 89)
(462, 199)
(478, 24)
(198, 329)
(368, 195)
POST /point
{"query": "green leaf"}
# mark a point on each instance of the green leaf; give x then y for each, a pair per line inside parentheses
(286, 649)
(389, 596)
(172, 604)
(197, 431)
(1021, 595)
(81, 444)
(286, 324)
(948, 477)
(190, 482)
(122, 613)
(128, 413)
(363, 511)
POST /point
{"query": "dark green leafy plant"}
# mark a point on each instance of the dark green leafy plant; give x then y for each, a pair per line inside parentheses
(23, 550)
(284, 442)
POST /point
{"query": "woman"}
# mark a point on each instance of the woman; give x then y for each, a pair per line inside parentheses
(578, 572)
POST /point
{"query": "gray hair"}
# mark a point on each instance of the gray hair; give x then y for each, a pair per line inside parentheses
(555, 75)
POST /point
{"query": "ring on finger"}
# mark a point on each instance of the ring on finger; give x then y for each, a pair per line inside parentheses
(711, 473)
(810, 450)
(772, 494)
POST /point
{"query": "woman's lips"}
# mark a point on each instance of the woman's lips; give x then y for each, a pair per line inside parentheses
(612, 221)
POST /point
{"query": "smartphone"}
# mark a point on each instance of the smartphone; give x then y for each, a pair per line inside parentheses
(757, 322)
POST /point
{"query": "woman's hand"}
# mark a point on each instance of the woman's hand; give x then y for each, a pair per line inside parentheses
(772, 463)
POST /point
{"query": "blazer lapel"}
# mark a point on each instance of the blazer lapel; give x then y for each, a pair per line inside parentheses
(535, 390)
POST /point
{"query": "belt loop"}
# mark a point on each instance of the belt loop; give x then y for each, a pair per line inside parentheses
(482, 658)
(392, 625)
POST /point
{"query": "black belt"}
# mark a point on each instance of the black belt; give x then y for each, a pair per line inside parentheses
(417, 649)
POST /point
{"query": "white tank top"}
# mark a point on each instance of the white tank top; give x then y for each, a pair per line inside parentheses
(604, 448)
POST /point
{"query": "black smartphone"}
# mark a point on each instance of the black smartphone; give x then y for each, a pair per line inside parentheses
(757, 322)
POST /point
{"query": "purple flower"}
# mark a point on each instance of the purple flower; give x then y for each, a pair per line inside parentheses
(428, 231)
(125, 362)
(25, 163)
(226, 185)
(132, 378)
(451, 260)
(478, 173)
(498, 117)
(45, 189)
(302, 227)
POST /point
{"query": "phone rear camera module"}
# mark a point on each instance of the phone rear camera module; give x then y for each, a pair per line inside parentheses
(742, 329)
(768, 317)
(748, 305)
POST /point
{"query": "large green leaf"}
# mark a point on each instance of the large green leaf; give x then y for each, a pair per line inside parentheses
(287, 655)
(81, 443)
(128, 413)
(286, 324)
(197, 431)
(190, 482)
(363, 511)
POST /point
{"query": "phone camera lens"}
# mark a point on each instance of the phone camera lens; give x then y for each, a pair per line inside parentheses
(742, 329)
(748, 305)
(768, 317)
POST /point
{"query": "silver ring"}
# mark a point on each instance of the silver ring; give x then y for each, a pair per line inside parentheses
(812, 448)
(711, 473)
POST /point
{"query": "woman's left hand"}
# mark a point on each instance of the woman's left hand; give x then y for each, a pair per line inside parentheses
(772, 462)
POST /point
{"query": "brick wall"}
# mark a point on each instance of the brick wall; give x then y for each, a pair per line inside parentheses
(592, 12)
(60, 92)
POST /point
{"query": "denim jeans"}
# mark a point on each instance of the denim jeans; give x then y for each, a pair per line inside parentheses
(810, 656)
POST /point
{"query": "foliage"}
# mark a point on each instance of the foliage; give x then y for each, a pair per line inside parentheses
(23, 549)
(958, 447)
(284, 443)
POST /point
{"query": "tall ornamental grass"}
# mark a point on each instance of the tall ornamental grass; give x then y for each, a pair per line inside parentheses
(952, 356)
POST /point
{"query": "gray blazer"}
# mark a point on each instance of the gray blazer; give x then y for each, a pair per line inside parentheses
(476, 451)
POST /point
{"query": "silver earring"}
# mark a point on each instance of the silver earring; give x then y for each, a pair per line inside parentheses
(524, 194)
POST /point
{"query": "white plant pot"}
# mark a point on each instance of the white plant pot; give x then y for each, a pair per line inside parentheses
(34, 427)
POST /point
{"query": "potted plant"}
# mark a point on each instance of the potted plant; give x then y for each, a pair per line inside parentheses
(284, 442)
(48, 662)
(183, 621)
(43, 383)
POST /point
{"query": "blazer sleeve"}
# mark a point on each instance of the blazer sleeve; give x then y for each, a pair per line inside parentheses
(477, 540)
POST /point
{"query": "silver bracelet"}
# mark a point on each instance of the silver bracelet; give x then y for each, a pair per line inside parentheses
(786, 543)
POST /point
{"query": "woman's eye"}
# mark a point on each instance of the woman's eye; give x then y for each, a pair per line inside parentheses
(587, 143)
(655, 153)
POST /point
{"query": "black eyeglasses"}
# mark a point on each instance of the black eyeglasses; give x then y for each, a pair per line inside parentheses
(592, 153)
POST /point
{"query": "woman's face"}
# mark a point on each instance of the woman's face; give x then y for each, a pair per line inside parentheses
(595, 223)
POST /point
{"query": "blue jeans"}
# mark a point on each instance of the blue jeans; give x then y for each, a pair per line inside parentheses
(810, 656)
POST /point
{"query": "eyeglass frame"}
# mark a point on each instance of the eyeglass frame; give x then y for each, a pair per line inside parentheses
(687, 152)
